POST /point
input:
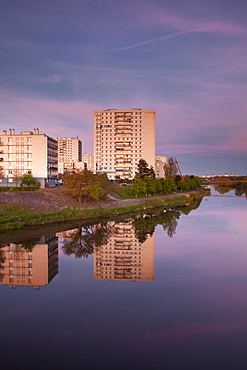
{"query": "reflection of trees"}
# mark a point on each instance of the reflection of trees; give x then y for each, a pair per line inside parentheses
(29, 244)
(223, 189)
(145, 225)
(240, 188)
(84, 239)
(185, 210)
(171, 225)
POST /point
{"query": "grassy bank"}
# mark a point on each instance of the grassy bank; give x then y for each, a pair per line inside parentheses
(14, 217)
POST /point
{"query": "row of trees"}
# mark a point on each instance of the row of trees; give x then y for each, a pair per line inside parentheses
(85, 185)
(146, 183)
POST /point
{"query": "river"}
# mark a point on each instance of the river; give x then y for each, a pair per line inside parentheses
(165, 291)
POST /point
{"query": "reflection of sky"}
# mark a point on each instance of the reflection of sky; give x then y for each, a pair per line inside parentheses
(194, 313)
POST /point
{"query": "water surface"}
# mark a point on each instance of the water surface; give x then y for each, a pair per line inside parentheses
(165, 293)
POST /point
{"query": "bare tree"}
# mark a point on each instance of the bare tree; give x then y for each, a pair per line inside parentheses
(16, 175)
(2, 173)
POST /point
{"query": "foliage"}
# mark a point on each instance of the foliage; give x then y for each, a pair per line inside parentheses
(84, 184)
(145, 225)
(84, 239)
(28, 179)
(29, 244)
(240, 188)
(144, 171)
(153, 186)
(138, 186)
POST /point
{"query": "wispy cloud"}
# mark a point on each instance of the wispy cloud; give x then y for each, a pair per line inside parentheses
(211, 27)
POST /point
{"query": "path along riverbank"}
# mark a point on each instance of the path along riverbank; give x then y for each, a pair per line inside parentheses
(53, 200)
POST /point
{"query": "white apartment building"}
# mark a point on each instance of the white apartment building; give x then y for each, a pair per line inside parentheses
(121, 139)
(160, 161)
(69, 152)
(28, 151)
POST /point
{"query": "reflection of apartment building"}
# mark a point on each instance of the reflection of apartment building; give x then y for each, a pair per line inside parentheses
(121, 139)
(124, 257)
(69, 152)
(28, 151)
(34, 267)
(160, 161)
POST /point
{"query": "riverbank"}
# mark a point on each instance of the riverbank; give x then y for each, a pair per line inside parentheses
(50, 206)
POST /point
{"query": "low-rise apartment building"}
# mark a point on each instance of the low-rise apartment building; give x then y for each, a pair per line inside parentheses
(28, 152)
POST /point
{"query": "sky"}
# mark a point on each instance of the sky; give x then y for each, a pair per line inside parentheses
(62, 59)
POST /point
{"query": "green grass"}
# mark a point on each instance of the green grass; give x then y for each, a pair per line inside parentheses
(14, 217)
(124, 191)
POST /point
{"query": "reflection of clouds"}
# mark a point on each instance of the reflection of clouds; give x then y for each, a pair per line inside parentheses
(210, 242)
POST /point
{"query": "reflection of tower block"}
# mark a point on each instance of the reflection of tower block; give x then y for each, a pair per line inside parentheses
(124, 257)
(37, 267)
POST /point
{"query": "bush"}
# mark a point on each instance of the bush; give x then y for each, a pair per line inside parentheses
(14, 225)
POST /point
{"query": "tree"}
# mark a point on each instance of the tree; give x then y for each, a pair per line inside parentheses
(144, 170)
(16, 175)
(152, 173)
(96, 191)
(170, 168)
(138, 186)
(28, 179)
(84, 184)
(151, 185)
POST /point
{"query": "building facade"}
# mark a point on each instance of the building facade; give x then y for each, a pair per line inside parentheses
(69, 152)
(28, 152)
(160, 161)
(121, 139)
(88, 161)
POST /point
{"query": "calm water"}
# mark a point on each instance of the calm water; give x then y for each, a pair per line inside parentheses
(173, 298)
